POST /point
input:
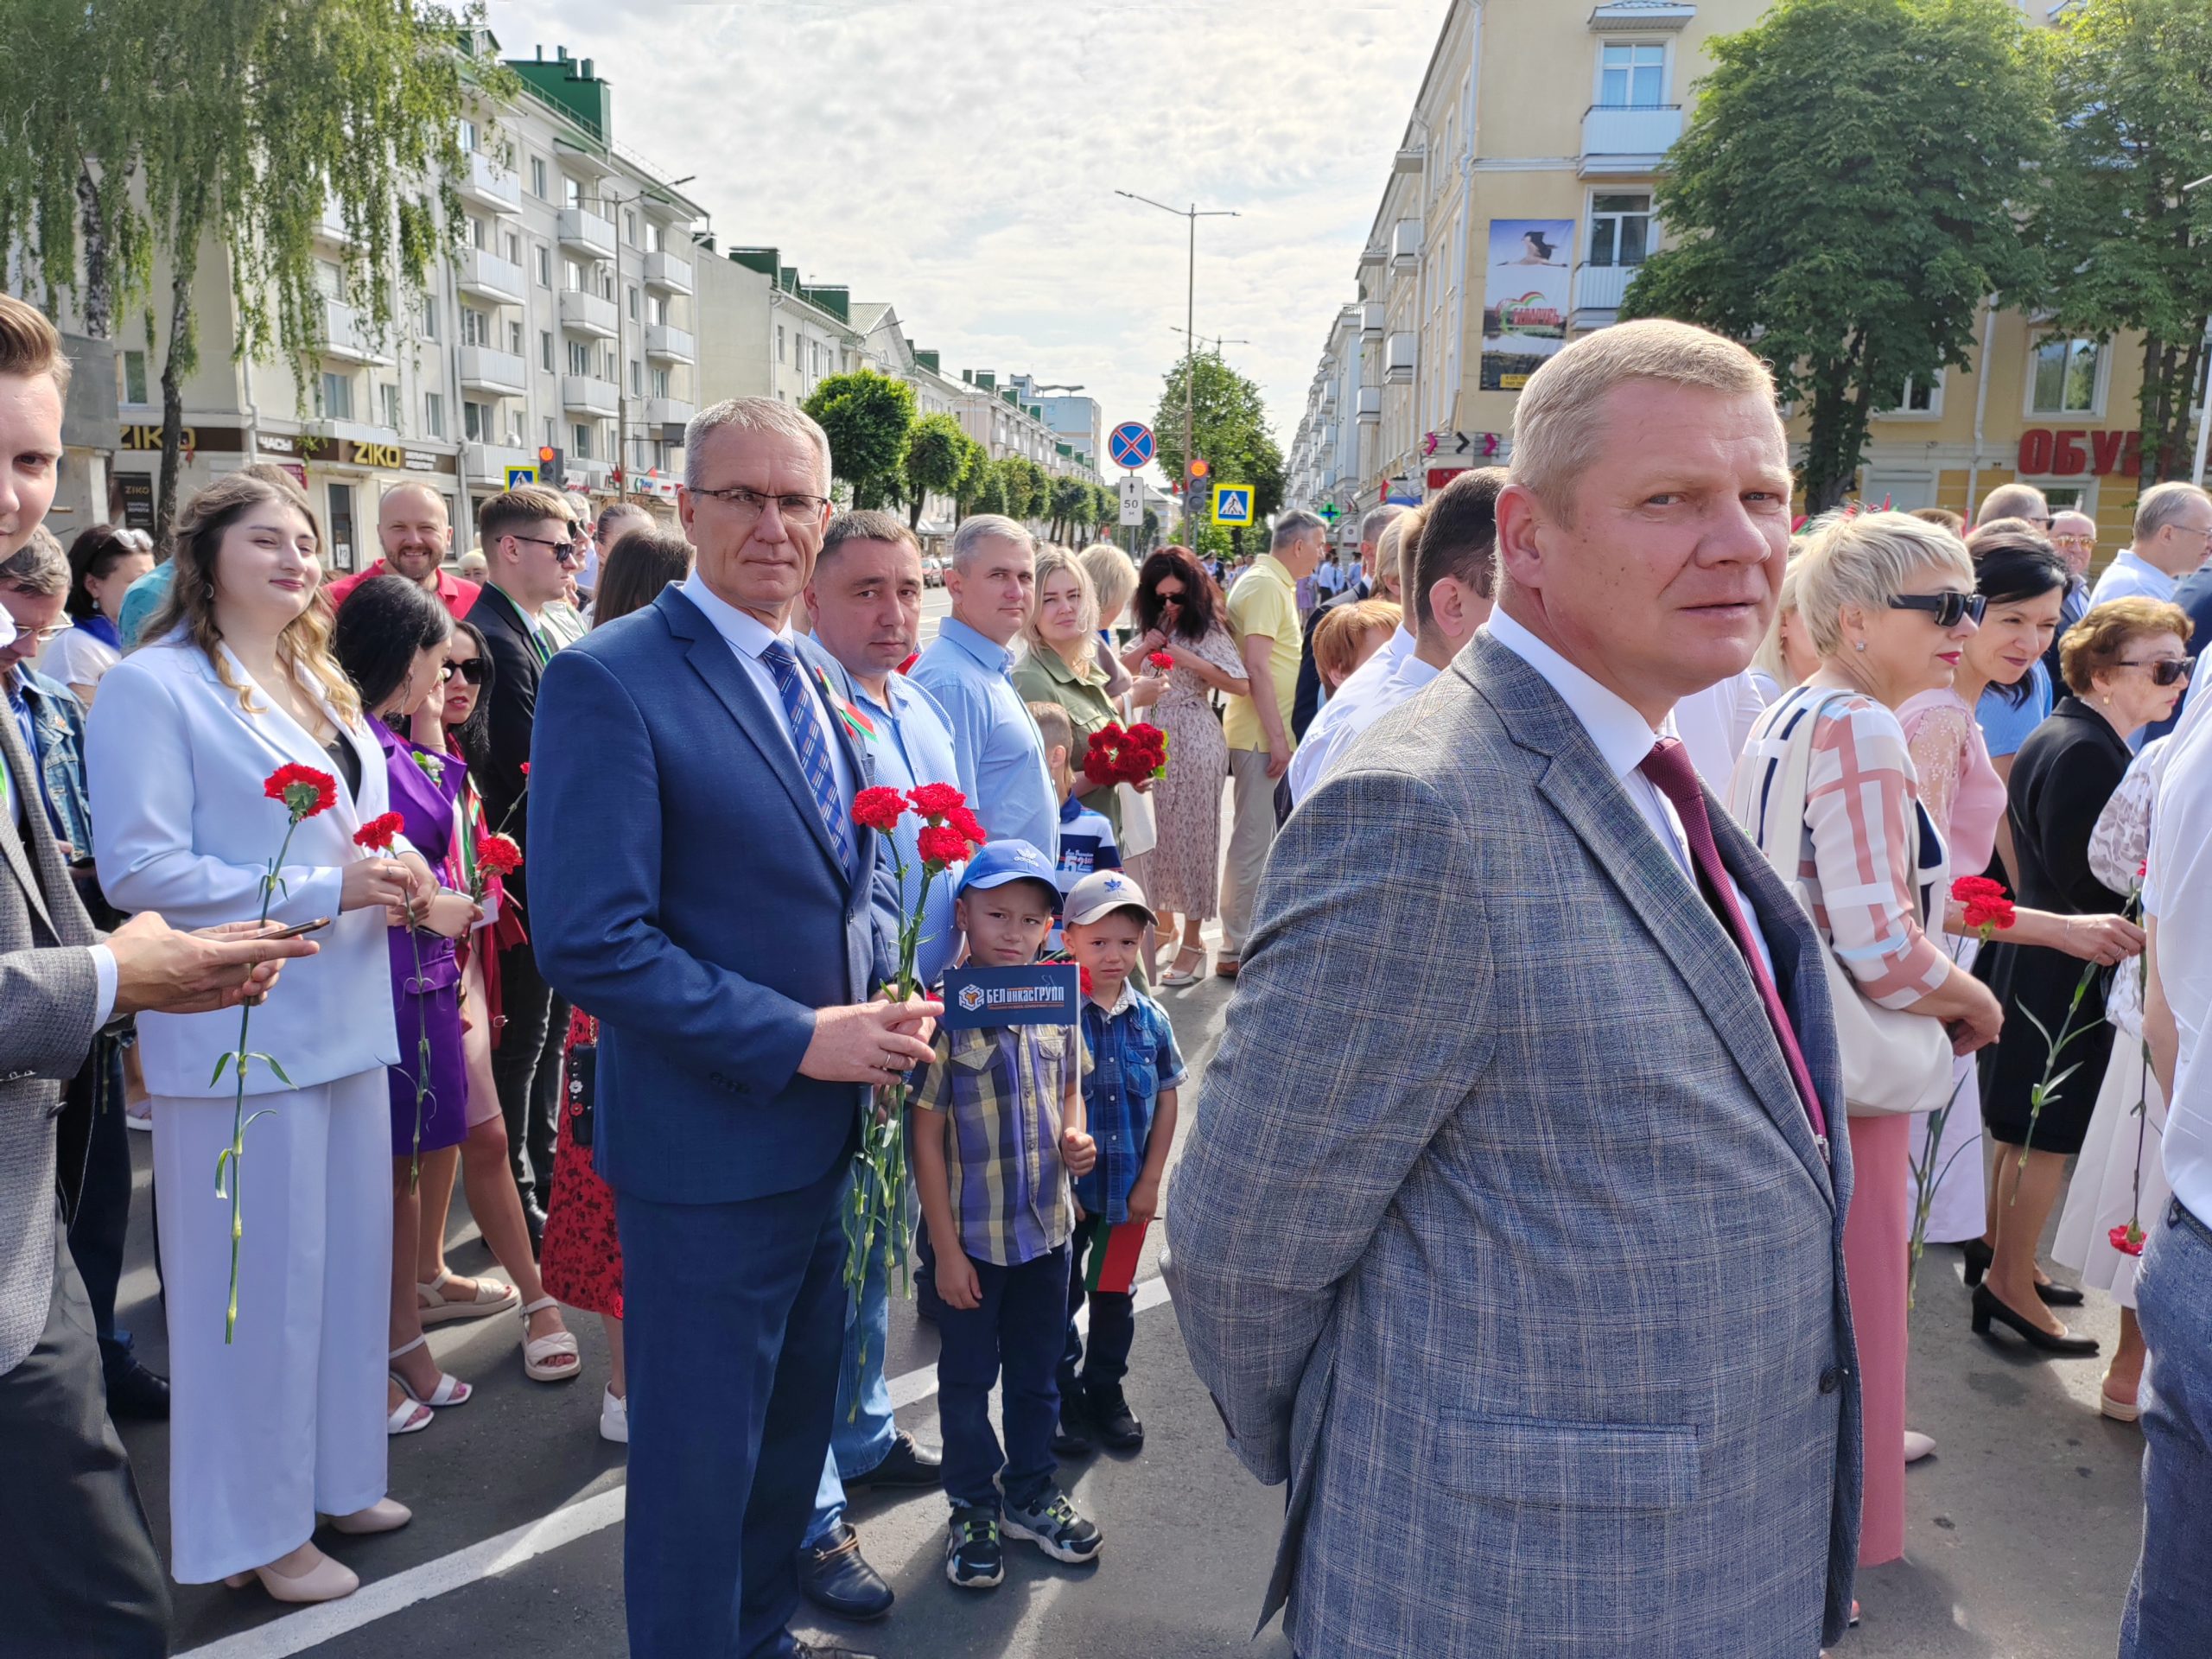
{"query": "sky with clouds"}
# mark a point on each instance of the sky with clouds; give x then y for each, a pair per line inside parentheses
(960, 161)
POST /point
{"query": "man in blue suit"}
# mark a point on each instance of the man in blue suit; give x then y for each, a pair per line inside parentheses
(703, 891)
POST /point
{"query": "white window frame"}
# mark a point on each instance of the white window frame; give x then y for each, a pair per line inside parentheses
(2084, 484)
(1933, 413)
(539, 185)
(434, 414)
(2096, 410)
(1666, 45)
(1590, 219)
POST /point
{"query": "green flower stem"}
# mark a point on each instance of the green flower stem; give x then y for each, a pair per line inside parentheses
(2046, 1089)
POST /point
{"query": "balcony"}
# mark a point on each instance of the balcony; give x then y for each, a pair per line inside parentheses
(1598, 290)
(484, 182)
(501, 373)
(1398, 361)
(671, 271)
(1372, 259)
(587, 314)
(347, 335)
(669, 412)
(669, 344)
(585, 232)
(1371, 320)
(583, 394)
(1370, 405)
(1405, 244)
(488, 277)
(1628, 143)
(1411, 159)
(331, 225)
(487, 463)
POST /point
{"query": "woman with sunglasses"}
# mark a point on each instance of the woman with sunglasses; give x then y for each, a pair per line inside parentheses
(2125, 665)
(1888, 602)
(1180, 615)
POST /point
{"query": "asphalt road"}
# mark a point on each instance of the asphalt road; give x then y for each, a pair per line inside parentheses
(2022, 1528)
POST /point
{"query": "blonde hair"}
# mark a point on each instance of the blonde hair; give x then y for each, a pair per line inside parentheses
(1112, 577)
(1769, 659)
(29, 343)
(1558, 427)
(2095, 644)
(1337, 638)
(1864, 560)
(190, 605)
(1052, 559)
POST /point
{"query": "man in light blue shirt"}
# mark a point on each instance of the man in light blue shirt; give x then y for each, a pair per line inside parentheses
(993, 583)
(2173, 534)
(866, 599)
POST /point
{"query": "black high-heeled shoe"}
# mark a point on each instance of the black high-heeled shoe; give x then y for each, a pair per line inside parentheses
(1986, 1307)
(1979, 1255)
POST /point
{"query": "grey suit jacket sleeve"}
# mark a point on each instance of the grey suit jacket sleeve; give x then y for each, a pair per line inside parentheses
(1356, 1032)
(48, 1000)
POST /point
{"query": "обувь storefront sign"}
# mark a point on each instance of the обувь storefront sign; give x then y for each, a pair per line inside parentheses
(2045, 453)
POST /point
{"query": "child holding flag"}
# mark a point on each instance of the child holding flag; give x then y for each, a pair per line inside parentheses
(1129, 1107)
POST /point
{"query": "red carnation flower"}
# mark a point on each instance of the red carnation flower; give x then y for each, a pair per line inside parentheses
(935, 800)
(1161, 660)
(880, 808)
(967, 824)
(525, 768)
(941, 844)
(1083, 980)
(303, 790)
(498, 855)
(1988, 907)
(376, 835)
(2127, 1239)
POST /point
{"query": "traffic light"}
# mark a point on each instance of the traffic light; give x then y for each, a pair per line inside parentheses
(1199, 467)
(552, 466)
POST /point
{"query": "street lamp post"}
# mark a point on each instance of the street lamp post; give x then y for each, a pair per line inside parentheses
(1193, 214)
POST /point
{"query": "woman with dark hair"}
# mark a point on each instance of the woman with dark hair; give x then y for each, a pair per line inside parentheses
(1180, 615)
(635, 571)
(104, 561)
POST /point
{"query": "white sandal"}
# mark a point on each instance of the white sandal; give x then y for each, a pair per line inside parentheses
(537, 1351)
(436, 1308)
(408, 1417)
(450, 1390)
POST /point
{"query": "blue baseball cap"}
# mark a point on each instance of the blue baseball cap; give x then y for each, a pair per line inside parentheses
(1002, 862)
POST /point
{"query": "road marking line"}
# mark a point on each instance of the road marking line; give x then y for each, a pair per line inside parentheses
(295, 1633)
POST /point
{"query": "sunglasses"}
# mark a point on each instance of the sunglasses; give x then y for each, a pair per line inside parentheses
(1948, 608)
(2167, 670)
(472, 671)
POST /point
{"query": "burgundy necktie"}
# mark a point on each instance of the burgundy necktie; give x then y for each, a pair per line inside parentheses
(1669, 767)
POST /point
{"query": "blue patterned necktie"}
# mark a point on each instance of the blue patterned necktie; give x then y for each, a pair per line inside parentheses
(812, 744)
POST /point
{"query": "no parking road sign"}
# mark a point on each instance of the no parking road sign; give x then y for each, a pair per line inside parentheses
(1130, 444)
(1232, 504)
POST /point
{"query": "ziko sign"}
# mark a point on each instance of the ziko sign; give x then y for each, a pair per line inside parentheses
(2047, 454)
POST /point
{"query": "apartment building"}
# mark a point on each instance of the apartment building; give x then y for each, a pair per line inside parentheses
(1515, 212)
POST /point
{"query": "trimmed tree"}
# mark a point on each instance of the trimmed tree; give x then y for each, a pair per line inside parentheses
(1229, 427)
(1070, 505)
(1851, 187)
(868, 416)
(936, 460)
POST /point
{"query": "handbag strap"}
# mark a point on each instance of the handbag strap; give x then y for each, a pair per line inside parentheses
(1768, 797)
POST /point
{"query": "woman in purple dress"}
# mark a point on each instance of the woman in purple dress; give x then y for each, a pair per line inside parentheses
(390, 639)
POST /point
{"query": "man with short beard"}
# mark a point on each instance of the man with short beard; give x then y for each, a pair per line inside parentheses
(416, 536)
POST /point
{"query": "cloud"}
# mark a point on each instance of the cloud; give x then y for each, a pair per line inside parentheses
(960, 161)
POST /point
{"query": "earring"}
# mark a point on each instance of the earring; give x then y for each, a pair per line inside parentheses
(207, 591)
(1861, 644)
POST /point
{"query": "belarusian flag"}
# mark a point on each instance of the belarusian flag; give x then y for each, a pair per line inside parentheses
(1114, 1252)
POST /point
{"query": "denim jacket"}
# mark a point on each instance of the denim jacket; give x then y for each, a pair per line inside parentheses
(58, 724)
(1133, 1057)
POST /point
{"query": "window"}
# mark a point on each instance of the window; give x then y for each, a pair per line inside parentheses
(544, 266)
(551, 436)
(467, 134)
(434, 414)
(479, 233)
(637, 378)
(429, 318)
(328, 281)
(514, 249)
(1921, 398)
(1620, 230)
(2065, 377)
(514, 336)
(636, 308)
(341, 525)
(538, 177)
(572, 194)
(656, 237)
(573, 275)
(131, 372)
(545, 352)
(660, 310)
(1632, 77)
(583, 441)
(337, 396)
(475, 326)
(388, 404)
(579, 358)
(630, 226)
(779, 342)
(476, 422)
(660, 384)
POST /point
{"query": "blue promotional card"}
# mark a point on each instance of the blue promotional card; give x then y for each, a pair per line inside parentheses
(1046, 994)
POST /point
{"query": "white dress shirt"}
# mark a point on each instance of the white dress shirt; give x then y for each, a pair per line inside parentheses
(2131, 574)
(748, 635)
(1714, 723)
(2177, 891)
(1350, 712)
(1623, 738)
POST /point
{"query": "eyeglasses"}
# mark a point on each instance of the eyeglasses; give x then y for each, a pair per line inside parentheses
(472, 671)
(570, 552)
(753, 503)
(2074, 541)
(2165, 671)
(1949, 607)
(44, 636)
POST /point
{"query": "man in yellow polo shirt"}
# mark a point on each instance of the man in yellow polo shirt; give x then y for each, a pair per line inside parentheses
(1263, 612)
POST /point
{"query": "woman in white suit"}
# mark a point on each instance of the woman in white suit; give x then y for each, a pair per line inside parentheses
(287, 1420)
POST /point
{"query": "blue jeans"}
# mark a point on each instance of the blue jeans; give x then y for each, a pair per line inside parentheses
(1019, 1325)
(860, 1440)
(2169, 1613)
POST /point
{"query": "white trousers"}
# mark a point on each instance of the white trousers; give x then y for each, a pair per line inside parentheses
(288, 1418)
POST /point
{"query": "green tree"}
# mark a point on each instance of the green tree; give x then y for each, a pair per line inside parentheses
(1229, 428)
(1029, 488)
(936, 460)
(2134, 100)
(1850, 188)
(868, 416)
(985, 487)
(1070, 505)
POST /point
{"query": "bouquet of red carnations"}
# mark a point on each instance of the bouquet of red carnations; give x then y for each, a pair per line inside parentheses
(1130, 755)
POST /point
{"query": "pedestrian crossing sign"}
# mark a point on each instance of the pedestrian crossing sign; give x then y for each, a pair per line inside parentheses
(519, 476)
(1232, 504)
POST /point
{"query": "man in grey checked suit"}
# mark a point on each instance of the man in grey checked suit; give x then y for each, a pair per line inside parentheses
(1528, 1277)
(78, 1573)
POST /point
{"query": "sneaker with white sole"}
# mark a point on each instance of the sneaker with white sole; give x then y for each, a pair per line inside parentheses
(975, 1559)
(1055, 1526)
(614, 1418)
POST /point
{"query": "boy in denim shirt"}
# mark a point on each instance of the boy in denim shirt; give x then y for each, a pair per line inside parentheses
(1129, 1105)
(997, 1125)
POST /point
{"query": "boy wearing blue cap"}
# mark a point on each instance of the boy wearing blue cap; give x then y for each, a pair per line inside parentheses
(997, 1124)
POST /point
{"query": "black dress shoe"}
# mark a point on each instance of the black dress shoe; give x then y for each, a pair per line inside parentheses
(1986, 1307)
(906, 1466)
(1978, 1257)
(1074, 1437)
(838, 1579)
(135, 1392)
(1112, 1420)
(533, 1218)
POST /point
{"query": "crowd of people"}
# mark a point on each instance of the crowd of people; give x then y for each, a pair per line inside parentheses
(1877, 836)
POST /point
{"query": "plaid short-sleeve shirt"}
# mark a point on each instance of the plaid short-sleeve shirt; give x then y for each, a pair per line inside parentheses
(998, 1091)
